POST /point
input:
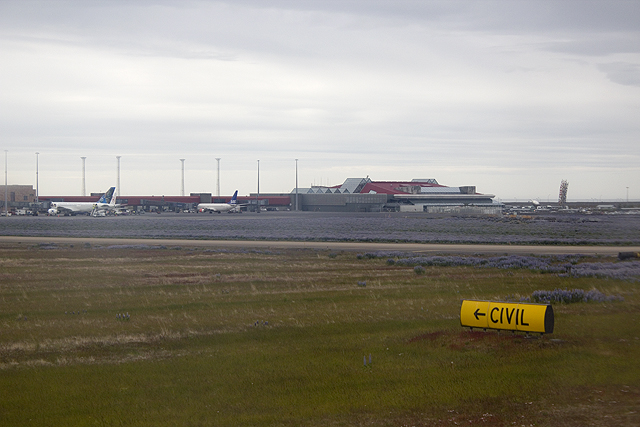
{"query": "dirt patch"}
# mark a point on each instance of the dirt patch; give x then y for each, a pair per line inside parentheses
(480, 340)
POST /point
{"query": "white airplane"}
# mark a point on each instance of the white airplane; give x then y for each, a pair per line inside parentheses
(220, 207)
(105, 203)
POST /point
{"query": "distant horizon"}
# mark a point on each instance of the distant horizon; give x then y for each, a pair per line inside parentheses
(292, 190)
(522, 200)
(569, 201)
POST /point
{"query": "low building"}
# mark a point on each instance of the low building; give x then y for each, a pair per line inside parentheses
(18, 196)
(418, 195)
(18, 193)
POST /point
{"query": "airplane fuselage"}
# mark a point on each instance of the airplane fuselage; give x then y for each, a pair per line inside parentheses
(75, 208)
(215, 207)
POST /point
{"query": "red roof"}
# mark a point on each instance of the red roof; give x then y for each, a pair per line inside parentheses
(393, 187)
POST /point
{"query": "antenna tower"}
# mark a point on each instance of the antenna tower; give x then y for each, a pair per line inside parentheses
(562, 198)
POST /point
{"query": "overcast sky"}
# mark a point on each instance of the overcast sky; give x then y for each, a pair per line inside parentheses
(509, 96)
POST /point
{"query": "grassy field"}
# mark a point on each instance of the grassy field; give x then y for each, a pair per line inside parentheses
(189, 337)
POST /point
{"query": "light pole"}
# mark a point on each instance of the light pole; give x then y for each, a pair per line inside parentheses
(6, 190)
(182, 187)
(118, 182)
(258, 195)
(84, 187)
(627, 194)
(37, 177)
(218, 180)
(296, 185)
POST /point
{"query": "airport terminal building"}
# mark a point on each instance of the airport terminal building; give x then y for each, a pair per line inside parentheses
(418, 195)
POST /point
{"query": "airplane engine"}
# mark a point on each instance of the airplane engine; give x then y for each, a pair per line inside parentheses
(52, 211)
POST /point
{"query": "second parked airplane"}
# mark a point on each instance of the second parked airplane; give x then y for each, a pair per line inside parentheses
(220, 207)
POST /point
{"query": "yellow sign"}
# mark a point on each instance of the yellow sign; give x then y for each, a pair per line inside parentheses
(507, 316)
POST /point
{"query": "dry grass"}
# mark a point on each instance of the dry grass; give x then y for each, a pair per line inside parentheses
(223, 338)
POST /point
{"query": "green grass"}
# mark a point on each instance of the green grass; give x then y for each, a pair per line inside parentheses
(191, 353)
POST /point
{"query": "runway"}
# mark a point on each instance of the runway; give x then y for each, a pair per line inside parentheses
(333, 246)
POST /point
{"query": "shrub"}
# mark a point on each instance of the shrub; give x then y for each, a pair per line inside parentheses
(563, 265)
(567, 296)
(618, 270)
(418, 269)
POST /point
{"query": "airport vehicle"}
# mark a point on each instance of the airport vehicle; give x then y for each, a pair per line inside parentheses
(106, 203)
(232, 206)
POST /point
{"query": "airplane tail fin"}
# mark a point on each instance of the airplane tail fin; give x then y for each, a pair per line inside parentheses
(112, 202)
(106, 197)
(234, 199)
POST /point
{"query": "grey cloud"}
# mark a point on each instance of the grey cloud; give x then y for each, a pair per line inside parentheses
(161, 28)
(510, 16)
(623, 73)
(597, 45)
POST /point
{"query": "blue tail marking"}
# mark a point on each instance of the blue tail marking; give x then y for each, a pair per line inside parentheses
(234, 199)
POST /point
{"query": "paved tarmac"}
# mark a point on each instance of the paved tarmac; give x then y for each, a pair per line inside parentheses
(334, 246)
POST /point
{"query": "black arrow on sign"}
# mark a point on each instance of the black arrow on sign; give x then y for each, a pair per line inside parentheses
(477, 313)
